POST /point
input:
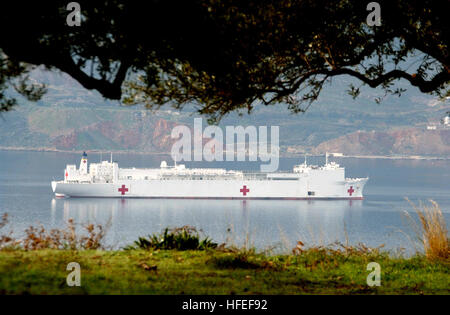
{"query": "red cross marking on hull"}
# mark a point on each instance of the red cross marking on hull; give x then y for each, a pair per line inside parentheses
(244, 190)
(123, 189)
(350, 190)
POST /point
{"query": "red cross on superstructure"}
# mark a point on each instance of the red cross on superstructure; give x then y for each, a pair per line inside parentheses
(244, 190)
(123, 189)
(350, 190)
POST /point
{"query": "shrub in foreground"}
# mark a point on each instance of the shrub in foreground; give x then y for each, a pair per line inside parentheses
(181, 238)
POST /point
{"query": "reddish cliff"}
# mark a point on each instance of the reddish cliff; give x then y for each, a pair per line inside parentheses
(411, 141)
(143, 135)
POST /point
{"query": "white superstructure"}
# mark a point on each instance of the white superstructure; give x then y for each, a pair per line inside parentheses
(106, 179)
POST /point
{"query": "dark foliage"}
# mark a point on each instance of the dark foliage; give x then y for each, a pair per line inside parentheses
(226, 55)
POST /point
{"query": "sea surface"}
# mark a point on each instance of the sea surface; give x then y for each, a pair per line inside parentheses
(379, 219)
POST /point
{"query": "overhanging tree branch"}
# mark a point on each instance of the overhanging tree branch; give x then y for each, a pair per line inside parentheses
(226, 55)
(415, 80)
(111, 90)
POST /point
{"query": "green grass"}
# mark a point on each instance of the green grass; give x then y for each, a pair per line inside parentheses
(216, 271)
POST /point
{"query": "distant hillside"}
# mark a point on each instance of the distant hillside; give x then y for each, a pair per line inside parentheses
(411, 141)
(70, 117)
(65, 128)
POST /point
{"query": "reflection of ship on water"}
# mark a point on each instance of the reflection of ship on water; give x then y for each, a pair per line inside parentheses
(89, 210)
(261, 219)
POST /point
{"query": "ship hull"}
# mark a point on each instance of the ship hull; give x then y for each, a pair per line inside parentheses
(300, 189)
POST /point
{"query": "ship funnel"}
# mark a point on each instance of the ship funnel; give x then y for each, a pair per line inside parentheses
(83, 164)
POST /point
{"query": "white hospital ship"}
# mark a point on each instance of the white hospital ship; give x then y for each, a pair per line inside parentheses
(106, 179)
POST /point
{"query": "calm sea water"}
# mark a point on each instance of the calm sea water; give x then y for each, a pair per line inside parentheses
(25, 194)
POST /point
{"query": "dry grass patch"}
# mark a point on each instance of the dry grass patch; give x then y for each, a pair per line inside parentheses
(432, 230)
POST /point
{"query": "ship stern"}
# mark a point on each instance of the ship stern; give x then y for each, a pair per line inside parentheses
(54, 183)
(54, 188)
